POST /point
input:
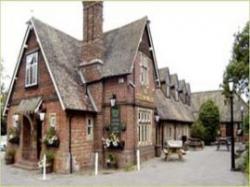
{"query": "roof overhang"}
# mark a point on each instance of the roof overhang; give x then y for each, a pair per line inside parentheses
(31, 27)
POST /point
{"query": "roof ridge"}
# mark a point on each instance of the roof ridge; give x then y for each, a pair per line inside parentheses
(208, 91)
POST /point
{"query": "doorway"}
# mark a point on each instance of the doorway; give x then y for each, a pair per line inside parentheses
(26, 138)
(39, 138)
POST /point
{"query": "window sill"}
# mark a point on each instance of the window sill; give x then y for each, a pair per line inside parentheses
(31, 86)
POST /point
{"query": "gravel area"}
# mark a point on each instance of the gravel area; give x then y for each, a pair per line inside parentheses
(206, 167)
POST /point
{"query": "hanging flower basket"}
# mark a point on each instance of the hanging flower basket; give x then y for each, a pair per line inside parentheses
(51, 139)
(14, 140)
(113, 142)
(13, 136)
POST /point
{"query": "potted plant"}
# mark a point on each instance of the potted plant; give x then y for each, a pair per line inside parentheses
(10, 156)
(49, 162)
(13, 135)
(111, 161)
(51, 139)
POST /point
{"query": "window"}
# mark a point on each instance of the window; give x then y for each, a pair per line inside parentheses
(31, 69)
(144, 126)
(144, 70)
(90, 126)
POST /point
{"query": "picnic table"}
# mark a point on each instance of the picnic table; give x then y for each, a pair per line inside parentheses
(223, 141)
(174, 147)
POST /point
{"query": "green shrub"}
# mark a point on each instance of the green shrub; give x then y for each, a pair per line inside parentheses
(197, 130)
(50, 155)
(209, 116)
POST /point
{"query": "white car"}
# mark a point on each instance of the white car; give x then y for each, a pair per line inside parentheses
(3, 143)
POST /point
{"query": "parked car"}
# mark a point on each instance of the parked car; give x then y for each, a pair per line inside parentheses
(3, 143)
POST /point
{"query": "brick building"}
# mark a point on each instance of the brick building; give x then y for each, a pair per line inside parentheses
(174, 107)
(89, 91)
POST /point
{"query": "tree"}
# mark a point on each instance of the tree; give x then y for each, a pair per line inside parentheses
(246, 124)
(238, 68)
(3, 95)
(197, 130)
(210, 118)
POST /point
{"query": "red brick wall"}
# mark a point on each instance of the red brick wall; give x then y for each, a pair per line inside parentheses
(81, 149)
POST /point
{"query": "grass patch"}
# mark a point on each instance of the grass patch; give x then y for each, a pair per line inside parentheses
(129, 167)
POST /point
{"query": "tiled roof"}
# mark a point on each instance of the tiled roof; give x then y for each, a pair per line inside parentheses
(63, 53)
(169, 109)
(198, 98)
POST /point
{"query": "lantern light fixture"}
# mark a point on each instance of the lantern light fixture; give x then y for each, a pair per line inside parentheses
(16, 117)
(157, 118)
(113, 100)
(231, 85)
(42, 116)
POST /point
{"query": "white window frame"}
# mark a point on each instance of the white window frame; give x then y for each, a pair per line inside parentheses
(31, 71)
(90, 126)
(144, 126)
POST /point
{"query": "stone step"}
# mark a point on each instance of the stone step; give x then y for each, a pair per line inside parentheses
(28, 165)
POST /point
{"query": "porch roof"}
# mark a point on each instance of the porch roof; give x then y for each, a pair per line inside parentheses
(30, 105)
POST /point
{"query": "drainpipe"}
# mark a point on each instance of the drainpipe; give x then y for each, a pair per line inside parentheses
(174, 131)
(70, 154)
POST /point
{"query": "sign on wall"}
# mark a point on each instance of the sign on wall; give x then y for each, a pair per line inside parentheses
(115, 125)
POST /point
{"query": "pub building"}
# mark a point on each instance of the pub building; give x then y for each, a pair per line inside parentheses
(103, 94)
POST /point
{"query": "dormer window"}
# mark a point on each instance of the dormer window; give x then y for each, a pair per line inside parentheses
(176, 95)
(144, 70)
(31, 69)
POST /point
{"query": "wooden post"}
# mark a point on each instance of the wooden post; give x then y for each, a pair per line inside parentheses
(96, 163)
(44, 167)
(138, 159)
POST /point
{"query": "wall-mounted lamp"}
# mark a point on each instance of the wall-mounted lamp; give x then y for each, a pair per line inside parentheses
(113, 100)
(16, 117)
(42, 116)
(157, 118)
(231, 86)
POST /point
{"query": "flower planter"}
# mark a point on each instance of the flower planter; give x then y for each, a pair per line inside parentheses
(14, 140)
(54, 144)
(49, 168)
(112, 165)
(9, 160)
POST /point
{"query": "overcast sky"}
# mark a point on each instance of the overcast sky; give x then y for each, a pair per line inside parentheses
(194, 39)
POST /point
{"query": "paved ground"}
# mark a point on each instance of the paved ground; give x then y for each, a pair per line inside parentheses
(207, 167)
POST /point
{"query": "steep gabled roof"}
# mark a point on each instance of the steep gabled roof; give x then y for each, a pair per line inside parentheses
(172, 110)
(198, 98)
(62, 55)
(121, 47)
(174, 80)
(182, 86)
(164, 75)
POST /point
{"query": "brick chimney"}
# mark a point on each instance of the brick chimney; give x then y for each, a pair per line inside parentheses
(93, 47)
